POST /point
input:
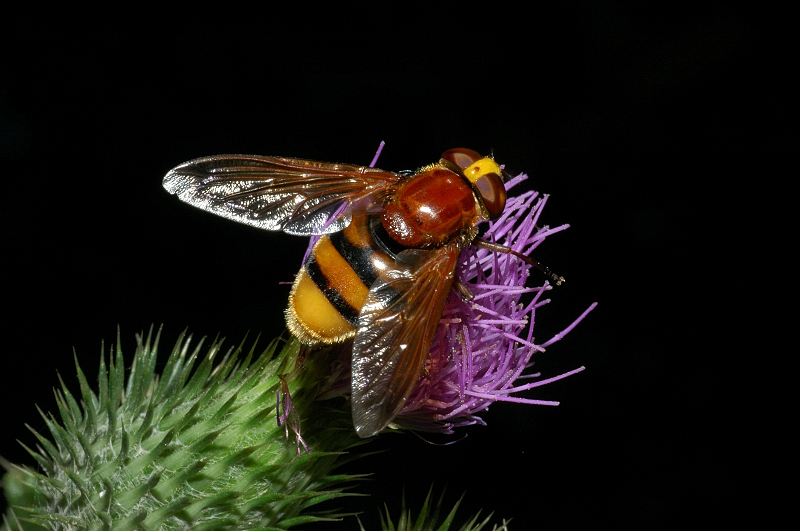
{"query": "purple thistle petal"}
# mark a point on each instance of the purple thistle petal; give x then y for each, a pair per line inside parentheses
(568, 329)
(377, 154)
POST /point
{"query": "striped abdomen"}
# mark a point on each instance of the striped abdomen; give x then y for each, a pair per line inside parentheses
(330, 289)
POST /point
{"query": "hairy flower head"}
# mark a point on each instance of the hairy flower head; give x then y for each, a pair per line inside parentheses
(483, 346)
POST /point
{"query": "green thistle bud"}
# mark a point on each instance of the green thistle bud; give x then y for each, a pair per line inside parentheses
(430, 518)
(195, 448)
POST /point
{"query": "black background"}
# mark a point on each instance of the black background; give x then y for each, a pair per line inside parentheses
(653, 131)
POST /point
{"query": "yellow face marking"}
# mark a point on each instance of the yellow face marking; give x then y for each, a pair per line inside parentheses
(477, 169)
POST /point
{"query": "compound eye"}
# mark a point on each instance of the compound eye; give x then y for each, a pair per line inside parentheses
(491, 189)
(461, 157)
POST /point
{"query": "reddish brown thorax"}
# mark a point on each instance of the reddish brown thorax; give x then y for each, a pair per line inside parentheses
(430, 209)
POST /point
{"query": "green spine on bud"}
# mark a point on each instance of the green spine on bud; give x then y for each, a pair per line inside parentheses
(191, 448)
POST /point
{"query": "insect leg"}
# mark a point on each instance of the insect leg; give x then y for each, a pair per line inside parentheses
(498, 248)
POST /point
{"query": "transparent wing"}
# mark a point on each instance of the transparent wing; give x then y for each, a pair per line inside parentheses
(296, 196)
(396, 328)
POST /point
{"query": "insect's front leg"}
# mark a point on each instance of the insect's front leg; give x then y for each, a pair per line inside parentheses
(498, 248)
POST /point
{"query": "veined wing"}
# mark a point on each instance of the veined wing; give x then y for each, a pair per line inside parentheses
(297, 196)
(396, 327)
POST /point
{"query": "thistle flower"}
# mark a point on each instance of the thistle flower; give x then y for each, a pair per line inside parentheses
(483, 346)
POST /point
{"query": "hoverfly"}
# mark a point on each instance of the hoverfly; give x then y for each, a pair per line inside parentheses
(385, 262)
